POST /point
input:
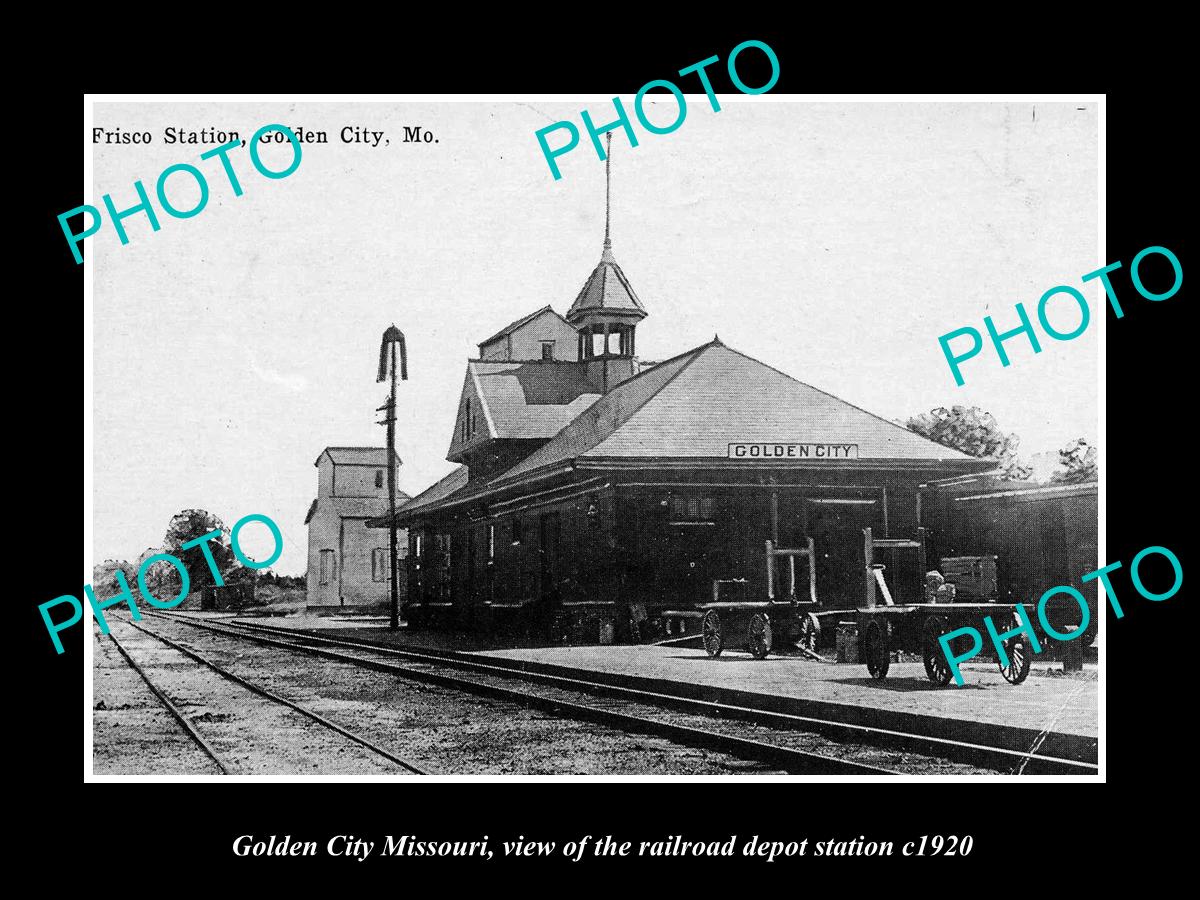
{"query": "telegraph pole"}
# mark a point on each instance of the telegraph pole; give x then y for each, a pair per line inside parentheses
(387, 354)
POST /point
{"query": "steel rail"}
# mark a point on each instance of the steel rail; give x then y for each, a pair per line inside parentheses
(172, 708)
(789, 758)
(263, 692)
(1000, 758)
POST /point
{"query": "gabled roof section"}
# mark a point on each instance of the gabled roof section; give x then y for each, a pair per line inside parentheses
(528, 400)
(603, 417)
(524, 320)
(357, 456)
(606, 290)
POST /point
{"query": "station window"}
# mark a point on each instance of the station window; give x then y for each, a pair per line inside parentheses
(379, 478)
(328, 567)
(379, 566)
(547, 349)
(692, 509)
(516, 531)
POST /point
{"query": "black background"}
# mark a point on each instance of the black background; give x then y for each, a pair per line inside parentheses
(1031, 834)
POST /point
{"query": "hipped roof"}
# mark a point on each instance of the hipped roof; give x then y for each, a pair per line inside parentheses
(693, 406)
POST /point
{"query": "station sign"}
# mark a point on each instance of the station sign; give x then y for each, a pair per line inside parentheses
(776, 451)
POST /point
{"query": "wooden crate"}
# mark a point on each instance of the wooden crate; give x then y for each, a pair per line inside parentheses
(974, 577)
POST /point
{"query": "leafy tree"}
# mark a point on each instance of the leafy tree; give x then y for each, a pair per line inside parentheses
(1076, 463)
(188, 525)
(973, 432)
(240, 574)
(104, 578)
(162, 578)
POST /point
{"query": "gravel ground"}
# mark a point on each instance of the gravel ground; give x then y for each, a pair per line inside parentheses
(438, 729)
(252, 735)
(132, 733)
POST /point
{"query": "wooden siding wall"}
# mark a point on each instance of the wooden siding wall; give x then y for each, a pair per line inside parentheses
(1041, 539)
(526, 571)
(635, 548)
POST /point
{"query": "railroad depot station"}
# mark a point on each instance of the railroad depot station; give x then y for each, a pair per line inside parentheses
(704, 533)
(600, 498)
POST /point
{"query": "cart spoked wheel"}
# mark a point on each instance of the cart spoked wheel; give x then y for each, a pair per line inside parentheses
(937, 667)
(710, 628)
(876, 650)
(758, 637)
(810, 632)
(1019, 657)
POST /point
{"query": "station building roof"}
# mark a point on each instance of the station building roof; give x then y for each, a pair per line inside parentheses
(530, 400)
(691, 407)
(444, 488)
(696, 404)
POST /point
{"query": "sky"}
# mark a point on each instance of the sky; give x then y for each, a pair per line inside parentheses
(833, 241)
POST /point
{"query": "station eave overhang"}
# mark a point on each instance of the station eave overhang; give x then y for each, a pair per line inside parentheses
(924, 466)
(487, 494)
(496, 490)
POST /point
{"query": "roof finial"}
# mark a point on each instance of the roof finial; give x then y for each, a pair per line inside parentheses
(607, 195)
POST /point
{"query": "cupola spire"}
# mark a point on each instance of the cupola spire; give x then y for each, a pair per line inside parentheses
(607, 304)
(607, 254)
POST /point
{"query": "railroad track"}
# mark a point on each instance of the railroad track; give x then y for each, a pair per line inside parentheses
(253, 688)
(998, 758)
(559, 696)
(174, 710)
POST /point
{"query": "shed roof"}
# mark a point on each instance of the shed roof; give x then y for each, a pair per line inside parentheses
(355, 507)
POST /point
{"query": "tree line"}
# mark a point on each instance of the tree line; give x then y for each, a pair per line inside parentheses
(975, 432)
(162, 579)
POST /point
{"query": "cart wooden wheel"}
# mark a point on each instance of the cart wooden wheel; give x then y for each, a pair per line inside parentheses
(810, 632)
(758, 636)
(876, 649)
(1019, 657)
(937, 667)
(710, 628)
